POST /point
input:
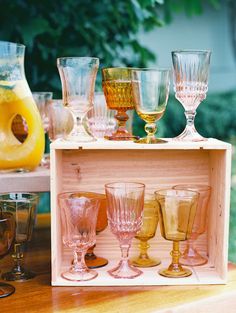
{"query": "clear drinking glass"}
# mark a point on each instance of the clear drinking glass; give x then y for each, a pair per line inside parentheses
(23, 206)
(99, 119)
(78, 75)
(150, 95)
(42, 100)
(177, 209)
(148, 230)
(78, 222)
(116, 84)
(191, 256)
(60, 120)
(190, 85)
(7, 234)
(125, 203)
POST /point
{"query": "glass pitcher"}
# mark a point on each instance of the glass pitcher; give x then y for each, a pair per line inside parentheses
(21, 130)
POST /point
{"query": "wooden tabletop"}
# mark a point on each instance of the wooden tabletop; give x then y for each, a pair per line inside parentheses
(37, 295)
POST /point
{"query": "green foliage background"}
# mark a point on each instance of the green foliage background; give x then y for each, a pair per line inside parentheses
(106, 29)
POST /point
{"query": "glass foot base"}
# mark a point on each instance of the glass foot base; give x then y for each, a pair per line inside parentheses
(184, 272)
(125, 270)
(139, 262)
(95, 262)
(147, 140)
(18, 276)
(6, 290)
(122, 138)
(195, 260)
(189, 134)
(79, 275)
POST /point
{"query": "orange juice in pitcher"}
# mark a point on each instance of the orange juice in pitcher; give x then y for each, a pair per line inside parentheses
(16, 100)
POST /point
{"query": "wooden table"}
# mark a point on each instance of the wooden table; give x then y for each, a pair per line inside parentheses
(38, 296)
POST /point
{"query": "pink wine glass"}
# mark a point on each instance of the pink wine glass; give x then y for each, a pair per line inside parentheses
(191, 256)
(190, 85)
(125, 202)
(78, 222)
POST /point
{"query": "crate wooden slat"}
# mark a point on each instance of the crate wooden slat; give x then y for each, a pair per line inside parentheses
(35, 181)
(87, 167)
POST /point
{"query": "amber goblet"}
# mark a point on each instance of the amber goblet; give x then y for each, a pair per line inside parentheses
(148, 230)
(23, 206)
(191, 255)
(177, 209)
(116, 83)
(7, 234)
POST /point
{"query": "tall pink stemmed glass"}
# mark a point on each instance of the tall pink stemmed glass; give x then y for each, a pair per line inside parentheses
(78, 221)
(191, 256)
(190, 86)
(125, 202)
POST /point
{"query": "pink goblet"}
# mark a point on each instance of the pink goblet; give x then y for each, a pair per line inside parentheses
(78, 221)
(125, 203)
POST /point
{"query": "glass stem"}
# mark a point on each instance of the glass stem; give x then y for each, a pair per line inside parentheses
(78, 125)
(190, 116)
(175, 253)
(143, 249)
(124, 252)
(150, 129)
(17, 256)
(121, 117)
(79, 262)
(190, 249)
(90, 254)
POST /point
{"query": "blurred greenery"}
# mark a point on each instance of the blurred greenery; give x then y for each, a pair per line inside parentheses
(105, 29)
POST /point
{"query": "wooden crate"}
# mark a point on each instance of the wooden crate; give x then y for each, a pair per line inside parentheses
(87, 167)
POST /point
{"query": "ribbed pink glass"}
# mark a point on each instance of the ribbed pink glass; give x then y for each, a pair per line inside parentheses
(190, 85)
(78, 222)
(191, 255)
(125, 202)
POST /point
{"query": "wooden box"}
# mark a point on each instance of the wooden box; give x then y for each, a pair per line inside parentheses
(87, 167)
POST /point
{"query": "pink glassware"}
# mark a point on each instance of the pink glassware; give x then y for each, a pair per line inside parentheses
(78, 222)
(125, 202)
(191, 256)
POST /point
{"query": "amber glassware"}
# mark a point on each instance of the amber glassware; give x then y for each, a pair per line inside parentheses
(177, 209)
(23, 206)
(116, 83)
(78, 222)
(91, 260)
(148, 230)
(150, 89)
(125, 201)
(7, 234)
(191, 256)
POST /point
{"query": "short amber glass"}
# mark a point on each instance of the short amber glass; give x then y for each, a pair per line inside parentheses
(148, 230)
(191, 256)
(177, 209)
(116, 83)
